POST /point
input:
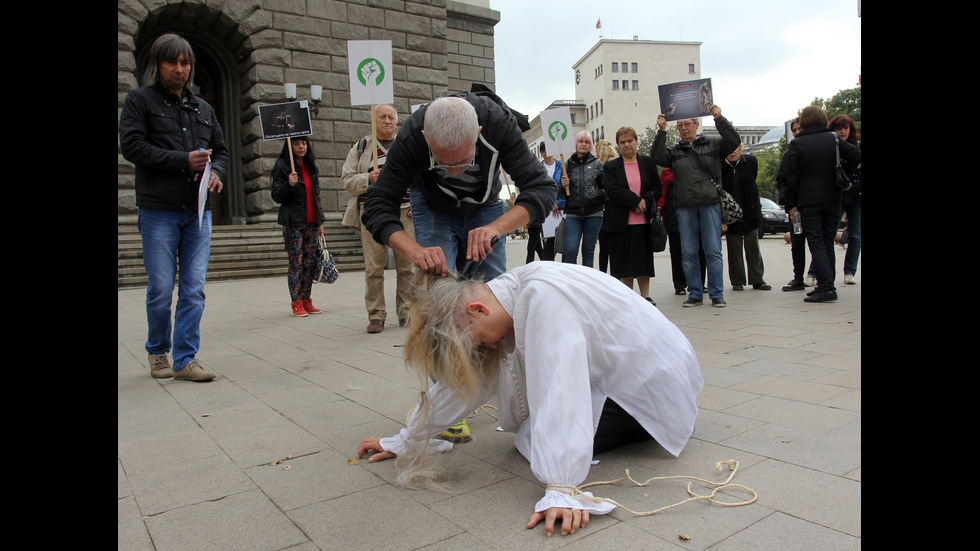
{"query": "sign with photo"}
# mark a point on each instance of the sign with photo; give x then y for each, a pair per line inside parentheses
(285, 120)
(370, 72)
(689, 99)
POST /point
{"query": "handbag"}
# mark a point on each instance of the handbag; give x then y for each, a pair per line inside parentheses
(325, 267)
(560, 237)
(840, 177)
(658, 232)
(731, 212)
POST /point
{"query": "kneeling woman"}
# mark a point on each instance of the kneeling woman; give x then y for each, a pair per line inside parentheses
(564, 348)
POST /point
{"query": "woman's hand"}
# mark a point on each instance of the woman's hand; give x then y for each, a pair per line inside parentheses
(373, 443)
(571, 520)
(293, 178)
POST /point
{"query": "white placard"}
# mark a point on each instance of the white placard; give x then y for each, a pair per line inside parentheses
(202, 193)
(370, 72)
(556, 126)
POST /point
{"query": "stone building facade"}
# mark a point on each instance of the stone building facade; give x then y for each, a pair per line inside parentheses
(247, 49)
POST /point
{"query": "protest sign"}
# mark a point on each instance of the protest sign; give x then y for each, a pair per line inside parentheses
(689, 99)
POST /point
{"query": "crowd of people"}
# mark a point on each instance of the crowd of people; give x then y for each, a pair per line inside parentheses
(569, 388)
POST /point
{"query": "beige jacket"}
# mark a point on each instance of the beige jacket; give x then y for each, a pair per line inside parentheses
(354, 178)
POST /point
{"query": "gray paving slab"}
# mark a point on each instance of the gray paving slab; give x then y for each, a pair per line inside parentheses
(258, 458)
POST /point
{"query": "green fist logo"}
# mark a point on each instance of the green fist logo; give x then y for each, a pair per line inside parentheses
(557, 131)
(368, 68)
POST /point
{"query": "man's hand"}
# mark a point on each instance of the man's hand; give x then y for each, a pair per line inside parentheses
(373, 443)
(715, 111)
(478, 244)
(197, 160)
(373, 176)
(571, 520)
(661, 122)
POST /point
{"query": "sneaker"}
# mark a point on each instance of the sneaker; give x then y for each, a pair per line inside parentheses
(692, 302)
(160, 366)
(376, 326)
(762, 286)
(794, 285)
(718, 302)
(458, 433)
(809, 281)
(298, 309)
(650, 300)
(824, 296)
(849, 279)
(310, 309)
(193, 372)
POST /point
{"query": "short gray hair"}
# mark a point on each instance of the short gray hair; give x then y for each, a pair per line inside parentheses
(451, 121)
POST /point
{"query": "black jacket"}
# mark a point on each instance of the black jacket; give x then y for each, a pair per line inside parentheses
(500, 144)
(152, 136)
(622, 200)
(292, 210)
(806, 172)
(739, 181)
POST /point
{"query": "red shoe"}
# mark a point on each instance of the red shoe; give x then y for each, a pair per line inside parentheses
(298, 309)
(308, 306)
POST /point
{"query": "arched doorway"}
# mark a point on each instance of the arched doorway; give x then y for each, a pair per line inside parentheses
(216, 82)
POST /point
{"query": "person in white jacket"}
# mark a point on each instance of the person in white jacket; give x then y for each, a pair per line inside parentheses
(566, 349)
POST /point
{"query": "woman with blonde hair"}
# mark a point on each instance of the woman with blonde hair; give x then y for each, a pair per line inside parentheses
(568, 389)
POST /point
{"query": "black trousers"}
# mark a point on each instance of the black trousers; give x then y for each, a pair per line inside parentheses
(617, 428)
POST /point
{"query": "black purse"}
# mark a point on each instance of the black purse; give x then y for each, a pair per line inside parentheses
(658, 232)
(840, 177)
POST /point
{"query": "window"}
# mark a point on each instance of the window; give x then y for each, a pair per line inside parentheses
(615, 85)
(625, 67)
(626, 85)
(600, 106)
(615, 67)
(634, 67)
(636, 85)
(690, 68)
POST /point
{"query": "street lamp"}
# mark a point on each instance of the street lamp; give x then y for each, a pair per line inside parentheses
(316, 95)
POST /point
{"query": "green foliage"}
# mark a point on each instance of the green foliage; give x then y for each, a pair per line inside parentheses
(645, 141)
(769, 159)
(845, 102)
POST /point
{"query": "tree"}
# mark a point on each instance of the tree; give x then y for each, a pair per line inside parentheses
(645, 142)
(845, 102)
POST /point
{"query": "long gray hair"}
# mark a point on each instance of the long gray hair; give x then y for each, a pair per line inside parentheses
(168, 47)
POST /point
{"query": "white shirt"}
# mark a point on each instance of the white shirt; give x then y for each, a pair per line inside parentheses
(580, 336)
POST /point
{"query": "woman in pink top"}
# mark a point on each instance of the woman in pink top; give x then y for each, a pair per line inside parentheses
(633, 188)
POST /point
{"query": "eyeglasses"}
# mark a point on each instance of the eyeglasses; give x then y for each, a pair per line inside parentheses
(683, 124)
(435, 166)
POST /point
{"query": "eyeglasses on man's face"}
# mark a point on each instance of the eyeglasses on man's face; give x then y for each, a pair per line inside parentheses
(434, 164)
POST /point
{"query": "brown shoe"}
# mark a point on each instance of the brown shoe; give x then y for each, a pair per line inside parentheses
(193, 372)
(160, 366)
(762, 286)
(376, 326)
(310, 309)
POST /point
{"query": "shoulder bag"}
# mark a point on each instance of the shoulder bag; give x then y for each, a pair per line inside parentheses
(325, 267)
(731, 212)
(560, 237)
(840, 177)
(658, 232)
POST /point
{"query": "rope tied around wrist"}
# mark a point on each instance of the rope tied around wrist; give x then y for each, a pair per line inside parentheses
(578, 493)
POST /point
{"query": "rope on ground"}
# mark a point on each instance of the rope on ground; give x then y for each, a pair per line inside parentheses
(483, 408)
(577, 491)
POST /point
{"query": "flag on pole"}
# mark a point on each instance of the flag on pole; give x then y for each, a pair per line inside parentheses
(598, 23)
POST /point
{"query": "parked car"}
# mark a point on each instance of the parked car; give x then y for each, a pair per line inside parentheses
(774, 218)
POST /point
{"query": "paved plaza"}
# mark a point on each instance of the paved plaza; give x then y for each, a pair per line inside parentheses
(259, 458)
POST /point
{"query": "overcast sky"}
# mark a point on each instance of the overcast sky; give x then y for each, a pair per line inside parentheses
(765, 59)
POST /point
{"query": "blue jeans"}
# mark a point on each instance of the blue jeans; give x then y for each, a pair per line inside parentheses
(171, 236)
(701, 226)
(584, 229)
(449, 231)
(852, 208)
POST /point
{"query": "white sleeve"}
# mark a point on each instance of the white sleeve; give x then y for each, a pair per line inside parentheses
(560, 424)
(447, 407)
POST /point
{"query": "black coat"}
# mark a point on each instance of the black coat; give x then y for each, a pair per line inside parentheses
(622, 200)
(806, 172)
(739, 181)
(292, 200)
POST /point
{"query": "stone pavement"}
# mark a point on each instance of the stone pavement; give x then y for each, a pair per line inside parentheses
(258, 458)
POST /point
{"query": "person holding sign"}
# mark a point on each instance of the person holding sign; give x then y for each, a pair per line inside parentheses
(696, 164)
(169, 134)
(359, 173)
(450, 152)
(584, 201)
(301, 217)
(569, 390)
